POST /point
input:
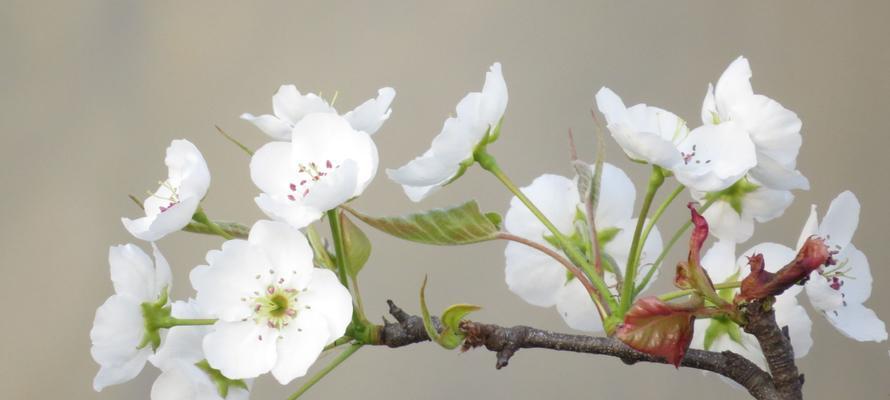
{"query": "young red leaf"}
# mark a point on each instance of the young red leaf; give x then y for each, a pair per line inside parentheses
(658, 328)
(690, 274)
(760, 283)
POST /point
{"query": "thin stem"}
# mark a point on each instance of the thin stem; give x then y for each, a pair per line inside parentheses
(201, 217)
(655, 217)
(339, 246)
(680, 293)
(234, 141)
(656, 179)
(168, 323)
(488, 162)
(664, 252)
(326, 370)
(337, 343)
(580, 275)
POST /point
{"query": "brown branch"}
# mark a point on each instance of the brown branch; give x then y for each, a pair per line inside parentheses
(506, 341)
(776, 347)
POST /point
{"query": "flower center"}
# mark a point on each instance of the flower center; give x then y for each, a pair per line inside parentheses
(172, 196)
(277, 307)
(307, 176)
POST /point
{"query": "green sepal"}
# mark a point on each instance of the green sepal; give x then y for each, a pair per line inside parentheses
(219, 380)
(722, 326)
(463, 224)
(733, 194)
(425, 312)
(156, 316)
(356, 245)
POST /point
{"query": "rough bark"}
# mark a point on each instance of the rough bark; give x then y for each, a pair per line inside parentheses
(506, 341)
(776, 347)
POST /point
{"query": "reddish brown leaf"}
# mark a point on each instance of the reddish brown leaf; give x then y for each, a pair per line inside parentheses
(690, 274)
(658, 328)
(760, 283)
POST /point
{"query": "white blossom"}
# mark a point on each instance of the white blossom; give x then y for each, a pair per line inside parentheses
(276, 311)
(478, 116)
(171, 206)
(119, 334)
(290, 107)
(326, 163)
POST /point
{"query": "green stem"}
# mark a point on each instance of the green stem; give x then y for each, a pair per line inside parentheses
(358, 313)
(680, 293)
(326, 370)
(488, 162)
(201, 217)
(168, 323)
(337, 343)
(664, 252)
(656, 179)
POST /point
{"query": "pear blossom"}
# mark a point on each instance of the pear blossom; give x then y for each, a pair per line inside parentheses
(478, 121)
(289, 107)
(774, 129)
(276, 311)
(709, 158)
(720, 334)
(326, 163)
(120, 343)
(185, 374)
(171, 206)
(542, 281)
(839, 291)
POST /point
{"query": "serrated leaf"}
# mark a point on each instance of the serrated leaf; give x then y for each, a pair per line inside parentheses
(463, 224)
(357, 246)
(658, 328)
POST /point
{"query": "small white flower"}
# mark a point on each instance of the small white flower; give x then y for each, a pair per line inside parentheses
(276, 312)
(708, 158)
(720, 334)
(478, 114)
(326, 163)
(542, 281)
(171, 206)
(731, 216)
(119, 333)
(289, 107)
(179, 357)
(840, 290)
(774, 129)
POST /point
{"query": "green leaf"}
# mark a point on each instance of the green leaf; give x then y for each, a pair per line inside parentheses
(427, 320)
(463, 224)
(357, 246)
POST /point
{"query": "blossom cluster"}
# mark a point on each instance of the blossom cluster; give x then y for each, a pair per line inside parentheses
(272, 300)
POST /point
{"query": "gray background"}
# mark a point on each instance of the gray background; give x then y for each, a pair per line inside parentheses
(92, 92)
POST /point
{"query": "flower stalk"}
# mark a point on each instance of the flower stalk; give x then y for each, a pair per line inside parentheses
(656, 179)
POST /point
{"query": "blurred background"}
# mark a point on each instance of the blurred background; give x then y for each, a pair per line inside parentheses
(93, 92)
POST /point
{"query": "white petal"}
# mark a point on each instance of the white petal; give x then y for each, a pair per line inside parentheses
(300, 345)
(556, 197)
(644, 133)
(272, 169)
(271, 125)
(370, 115)
(327, 297)
(725, 223)
(117, 331)
(241, 349)
(297, 215)
(577, 309)
(532, 275)
(287, 250)
(120, 373)
(321, 138)
(841, 220)
(720, 261)
(774, 129)
(187, 170)
(619, 248)
(335, 189)
(153, 228)
(442, 161)
(774, 175)
(709, 108)
(163, 277)
(858, 322)
(734, 85)
(789, 313)
(291, 106)
(182, 343)
(616, 202)
(240, 272)
(131, 271)
(717, 156)
(418, 193)
(493, 102)
(765, 204)
(810, 227)
(856, 288)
